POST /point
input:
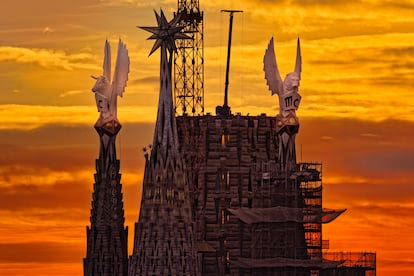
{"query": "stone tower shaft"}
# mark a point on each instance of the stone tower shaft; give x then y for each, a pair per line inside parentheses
(107, 252)
(163, 242)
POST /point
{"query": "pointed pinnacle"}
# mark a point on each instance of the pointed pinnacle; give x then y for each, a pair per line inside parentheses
(157, 17)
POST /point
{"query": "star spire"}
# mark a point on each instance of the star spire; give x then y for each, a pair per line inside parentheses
(165, 33)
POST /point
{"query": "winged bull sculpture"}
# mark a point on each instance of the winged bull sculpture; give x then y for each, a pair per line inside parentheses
(106, 92)
(287, 89)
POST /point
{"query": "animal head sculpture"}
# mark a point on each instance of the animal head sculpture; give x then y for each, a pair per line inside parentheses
(101, 85)
(291, 83)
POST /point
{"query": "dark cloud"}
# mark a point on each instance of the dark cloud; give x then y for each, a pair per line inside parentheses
(396, 160)
(146, 80)
(42, 252)
(399, 51)
(352, 59)
(312, 2)
(351, 194)
(335, 3)
(404, 65)
(33, 155)
(359, 148)
(397, 5)
(403, 267)
(398, 79)
(391, 58)
(66, 195)
(333, 28)
(74, 196)
(396, 211)
(70, 147)
(323, 2)
(58, 135)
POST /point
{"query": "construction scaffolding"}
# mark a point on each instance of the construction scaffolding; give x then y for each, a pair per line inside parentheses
(309, 175)
(253, 217)
(354, 262)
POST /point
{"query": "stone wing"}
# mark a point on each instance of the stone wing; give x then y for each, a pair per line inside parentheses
(272, 75)
(298, 64)
(121, 70)
(107, 62)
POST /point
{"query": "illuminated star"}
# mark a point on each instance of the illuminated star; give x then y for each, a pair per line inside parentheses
(166, 33)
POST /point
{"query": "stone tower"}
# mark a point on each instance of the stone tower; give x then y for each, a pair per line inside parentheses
(106, 237)
(107, 251)
(163, 243)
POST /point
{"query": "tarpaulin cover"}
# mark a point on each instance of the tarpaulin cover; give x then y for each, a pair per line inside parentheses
(329, 215)
(285, 214)
(285, 262)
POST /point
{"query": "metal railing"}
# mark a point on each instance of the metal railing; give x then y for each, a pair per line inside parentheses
(366, 260)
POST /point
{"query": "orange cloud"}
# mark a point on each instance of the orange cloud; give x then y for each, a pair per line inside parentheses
(71, 93)
(47, 58)
(32, 116)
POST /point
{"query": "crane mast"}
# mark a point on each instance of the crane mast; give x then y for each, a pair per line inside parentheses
(225, 109)
(189, 61)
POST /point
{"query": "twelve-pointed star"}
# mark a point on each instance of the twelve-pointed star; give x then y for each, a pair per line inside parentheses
(166, 33)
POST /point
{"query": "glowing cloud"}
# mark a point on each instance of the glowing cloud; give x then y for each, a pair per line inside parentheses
(47, 58)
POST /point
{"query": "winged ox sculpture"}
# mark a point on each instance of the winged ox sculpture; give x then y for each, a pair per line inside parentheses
(287, 89)
(106, 92)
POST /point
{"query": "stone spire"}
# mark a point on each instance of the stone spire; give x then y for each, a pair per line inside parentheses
(164, 243)
(107, 252)
(106, 237)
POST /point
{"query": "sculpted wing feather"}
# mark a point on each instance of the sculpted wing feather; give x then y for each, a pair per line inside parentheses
(298, 65)
(107, 62)
(121, 70)
(272, 75)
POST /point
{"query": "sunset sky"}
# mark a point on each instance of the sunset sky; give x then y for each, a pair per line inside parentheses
(357, 114)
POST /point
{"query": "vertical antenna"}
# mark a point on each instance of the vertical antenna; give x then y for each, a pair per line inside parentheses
(225, 109)
(189, 60)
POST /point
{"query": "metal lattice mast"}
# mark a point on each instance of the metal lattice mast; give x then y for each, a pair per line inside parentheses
(189, 61)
